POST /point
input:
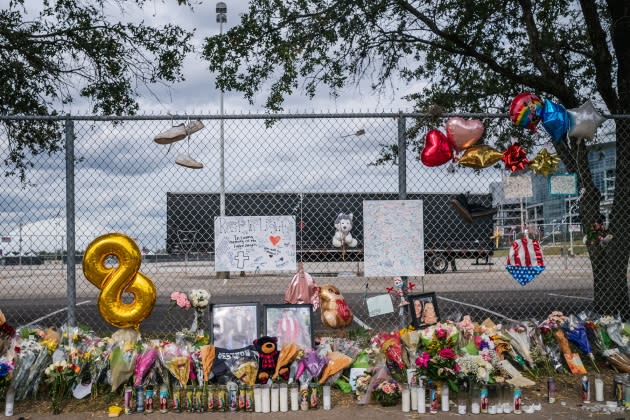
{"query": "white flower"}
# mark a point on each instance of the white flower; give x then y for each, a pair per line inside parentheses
(199, 298)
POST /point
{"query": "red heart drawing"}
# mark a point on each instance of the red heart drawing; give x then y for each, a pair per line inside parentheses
(463, 133)
(437, 150)
(274, 240)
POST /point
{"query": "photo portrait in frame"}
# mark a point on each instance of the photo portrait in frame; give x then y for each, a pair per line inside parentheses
(423, 309)
(291, 324)
(234, 325)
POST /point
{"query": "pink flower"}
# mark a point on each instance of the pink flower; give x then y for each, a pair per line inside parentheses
(386, 388)
(447, 353)
(181, 299)
(457, 368)
(477, 339)
(423, 360)
(441, 333)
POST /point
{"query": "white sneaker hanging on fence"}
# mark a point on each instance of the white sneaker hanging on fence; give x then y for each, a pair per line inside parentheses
(188, 162)
(178, 132)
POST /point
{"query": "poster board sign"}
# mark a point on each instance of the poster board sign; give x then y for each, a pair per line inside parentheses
(563, 184)
(393, 233)
(379, 305)
(254, 243)
(517, 187)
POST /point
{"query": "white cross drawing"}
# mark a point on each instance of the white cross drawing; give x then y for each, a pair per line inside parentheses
(240, 259)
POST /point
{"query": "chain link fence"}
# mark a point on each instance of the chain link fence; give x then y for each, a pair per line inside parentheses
(115, 178)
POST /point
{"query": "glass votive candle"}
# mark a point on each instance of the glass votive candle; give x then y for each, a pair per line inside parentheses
(406, 398)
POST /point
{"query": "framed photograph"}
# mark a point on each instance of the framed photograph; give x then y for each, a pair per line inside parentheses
(234, 325)
(423, 309)
(290, 323)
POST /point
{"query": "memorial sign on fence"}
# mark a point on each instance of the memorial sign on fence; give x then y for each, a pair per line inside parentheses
(394, 238)
(517, 187)
(254, 243)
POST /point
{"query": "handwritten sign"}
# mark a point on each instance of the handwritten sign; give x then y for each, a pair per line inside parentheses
(517, 187)
(254, 243)
(394, 238)
(563, 184)
(379, 305)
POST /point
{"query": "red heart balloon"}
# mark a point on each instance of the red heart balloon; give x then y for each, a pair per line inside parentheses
(437, 150)
(463, 133)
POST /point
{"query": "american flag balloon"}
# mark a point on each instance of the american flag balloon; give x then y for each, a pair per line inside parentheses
(525, 260)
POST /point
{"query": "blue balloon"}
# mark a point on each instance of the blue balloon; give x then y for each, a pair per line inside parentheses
(524, 274)
(555, 120)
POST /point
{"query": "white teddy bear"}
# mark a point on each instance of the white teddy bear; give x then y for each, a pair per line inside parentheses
(343, 224)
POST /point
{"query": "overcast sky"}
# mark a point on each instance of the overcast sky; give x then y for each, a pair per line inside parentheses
(123, 176)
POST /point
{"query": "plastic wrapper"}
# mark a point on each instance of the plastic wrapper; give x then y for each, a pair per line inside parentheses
(144, 363)
(121, 361)
(26, 352)
(208, 354)
(176, 359)
(337, 362)
(287, 355)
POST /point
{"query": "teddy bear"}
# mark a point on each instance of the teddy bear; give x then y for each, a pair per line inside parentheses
(335, 311)
(267, 348)
(343, 237)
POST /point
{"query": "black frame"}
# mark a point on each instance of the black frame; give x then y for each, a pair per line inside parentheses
(417, 321)
(305, 336)
(228, 341)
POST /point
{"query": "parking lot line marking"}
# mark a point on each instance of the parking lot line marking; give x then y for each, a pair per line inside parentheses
(478, 307)
(570, 297)
(53, 313)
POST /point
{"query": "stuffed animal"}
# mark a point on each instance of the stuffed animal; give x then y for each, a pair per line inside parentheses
(335, 311)
(343, 237)
(267, 348)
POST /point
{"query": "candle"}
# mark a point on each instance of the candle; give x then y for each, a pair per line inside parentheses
(275, 398)
(295, 398)
(445, 397)
(406, 399)
(284, 398)
(326, 397)
(475, 408)
(257, 399)
(414, 397)
(492, 409)
(422, 399)
(265, 398)
(599, 389)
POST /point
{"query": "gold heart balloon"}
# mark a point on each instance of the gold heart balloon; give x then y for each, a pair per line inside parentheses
(544, 163)
(114, 281)
(480, 156)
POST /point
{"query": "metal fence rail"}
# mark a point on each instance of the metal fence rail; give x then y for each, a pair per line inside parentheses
(114, 178)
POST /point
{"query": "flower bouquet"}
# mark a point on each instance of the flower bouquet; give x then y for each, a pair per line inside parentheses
(388, 393)
(477, 368)
(60, 376)
(439, 360)
(575, 332)
(199, 299)
(617, 333)
(6, 375)
(601, 341)
(362, 385)
(467, 336)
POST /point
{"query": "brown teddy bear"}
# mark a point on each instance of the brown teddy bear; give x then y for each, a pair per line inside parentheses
(267, 348)
(335, 311)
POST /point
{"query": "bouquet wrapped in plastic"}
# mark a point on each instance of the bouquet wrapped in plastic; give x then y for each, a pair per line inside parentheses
(144, 363)
(177, 360)
(598, 334)
(575, 332)
(122, 361)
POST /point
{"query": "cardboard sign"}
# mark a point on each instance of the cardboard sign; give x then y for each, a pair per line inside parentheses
(563, 184)
(254, 243)
(379, 305)
(393, 232)
(518, 187)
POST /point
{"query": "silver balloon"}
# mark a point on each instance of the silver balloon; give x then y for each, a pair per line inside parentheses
(584, 121)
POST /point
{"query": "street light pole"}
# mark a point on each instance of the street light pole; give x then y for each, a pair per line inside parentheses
(221, 19)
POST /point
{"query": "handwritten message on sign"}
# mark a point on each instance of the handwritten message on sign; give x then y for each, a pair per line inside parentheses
(517, 187)
(394, 238)
(251, 243)
(563, 184)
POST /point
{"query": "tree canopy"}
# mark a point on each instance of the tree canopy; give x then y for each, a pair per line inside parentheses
(474, 57)
(70, 49)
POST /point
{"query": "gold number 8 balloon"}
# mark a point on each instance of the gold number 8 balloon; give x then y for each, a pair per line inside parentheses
(114, 281)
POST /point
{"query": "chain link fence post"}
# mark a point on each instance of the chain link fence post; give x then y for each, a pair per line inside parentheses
(71, 291)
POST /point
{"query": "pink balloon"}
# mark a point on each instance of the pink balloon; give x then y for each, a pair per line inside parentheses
(437, 150)
(463, 133)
